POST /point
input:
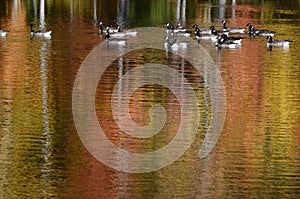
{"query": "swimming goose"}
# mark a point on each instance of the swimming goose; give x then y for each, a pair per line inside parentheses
(3, 33)
(236, 40)
(119, 41)
(232, 30)
(115, 30)
(277, 43)
(172, 29)
(39, 33)
(111, 29)
(218, 32)
(202, 31)
(226, 43)
(264, 33)
(200, 36)
(121, 33)
(181, 33)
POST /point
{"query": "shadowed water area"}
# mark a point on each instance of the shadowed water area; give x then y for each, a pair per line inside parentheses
(257, 154)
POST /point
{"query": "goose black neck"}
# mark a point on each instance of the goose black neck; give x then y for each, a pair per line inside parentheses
(107, 33)
(270, 39)
(197, 32)
(224, 25)
(101, 28)
(31, 28)
(251, 29)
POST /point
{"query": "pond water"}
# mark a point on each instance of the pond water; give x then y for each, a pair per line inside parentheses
(43, 154)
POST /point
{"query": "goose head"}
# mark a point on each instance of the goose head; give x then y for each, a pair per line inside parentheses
(196, 27)
(168, 25)
(224, 24)
(270, 38)
(251, 27)
(212, 28)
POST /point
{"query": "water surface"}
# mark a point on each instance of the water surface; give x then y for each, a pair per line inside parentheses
(257, 154)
